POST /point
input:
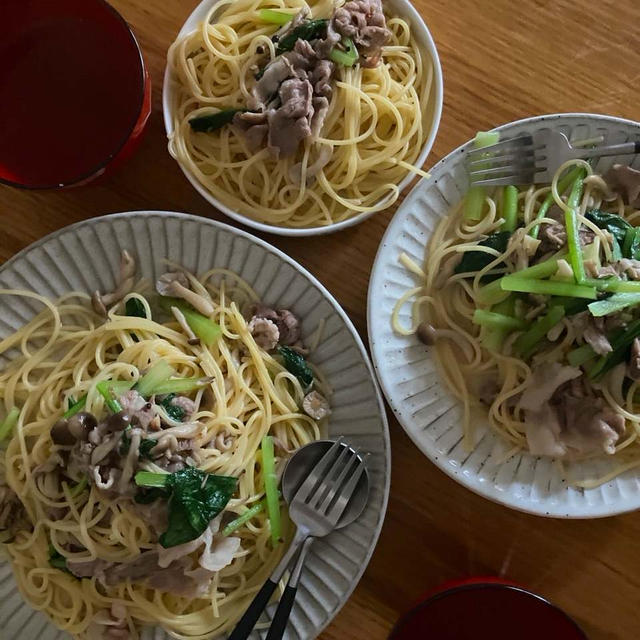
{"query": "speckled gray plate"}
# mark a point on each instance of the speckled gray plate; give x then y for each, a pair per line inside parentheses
(406, 370)
(85, 257)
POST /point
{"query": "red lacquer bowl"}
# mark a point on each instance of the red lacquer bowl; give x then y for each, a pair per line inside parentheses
(75, 95)
(485, 609)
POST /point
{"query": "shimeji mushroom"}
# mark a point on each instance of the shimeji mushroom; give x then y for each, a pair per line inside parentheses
(429, 335)
(126, 280)
(175, 284)
(182, 321)
(316, 406)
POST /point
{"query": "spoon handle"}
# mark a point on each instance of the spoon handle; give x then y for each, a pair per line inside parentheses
(245, 625)
(280, 619)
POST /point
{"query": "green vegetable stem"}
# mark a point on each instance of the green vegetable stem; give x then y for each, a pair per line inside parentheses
(474, 200)
(8, 424)
(207, 330)
(615, 303)
(510, 208)
(581, 355)
(157, 375)
(106, 391)
(273, 16)
(348, 55)
(75, 407)
(271, 488)
(241, 520)
(494, 320)
(529, 341)
(181, 385)
(547, 287)
(563, 184)
(572, 225)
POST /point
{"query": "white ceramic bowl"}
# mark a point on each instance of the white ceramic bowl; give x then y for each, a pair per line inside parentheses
(402, 8)
(406, 369)
(85, 257)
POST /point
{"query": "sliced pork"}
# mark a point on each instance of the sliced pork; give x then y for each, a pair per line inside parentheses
(567, 419)
(266, 89)
(173, 570)
(290, 101)
(597, 339)
(139, 410)
(554, 237)
(628, 267)
(290, 124)
(589, 427)
(544, 382)
(363, 21)
(323, 159)
(320, 78)
(625, 181)
(254, 127)
(543, 430)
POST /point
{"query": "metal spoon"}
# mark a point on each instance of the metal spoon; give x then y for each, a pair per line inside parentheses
(326, 485)
(294, 476)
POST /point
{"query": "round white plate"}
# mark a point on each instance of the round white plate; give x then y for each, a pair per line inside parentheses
(402, 8)
(406, 369)
(85, 257)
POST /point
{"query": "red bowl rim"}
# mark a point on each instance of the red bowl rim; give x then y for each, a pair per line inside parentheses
(104, 163)
(470, 584)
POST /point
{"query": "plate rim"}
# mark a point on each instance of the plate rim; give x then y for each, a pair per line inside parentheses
(438, 78)
(484, 490)
(326, 294)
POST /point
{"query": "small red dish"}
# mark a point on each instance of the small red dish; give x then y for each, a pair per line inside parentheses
(485, 609)
(75, 95)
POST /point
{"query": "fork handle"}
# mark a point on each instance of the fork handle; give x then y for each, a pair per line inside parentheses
(279, 622)
(283, 612)
(609, 150)
(245, 625)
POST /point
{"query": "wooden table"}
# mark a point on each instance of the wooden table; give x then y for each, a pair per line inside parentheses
(502, 60)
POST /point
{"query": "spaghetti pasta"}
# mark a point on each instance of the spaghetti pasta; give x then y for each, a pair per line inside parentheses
(69, 534)
(376, 125)
(550, 369)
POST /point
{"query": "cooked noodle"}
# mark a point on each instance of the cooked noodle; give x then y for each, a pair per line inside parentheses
(61, 354)
(377, 123)
(447, 301)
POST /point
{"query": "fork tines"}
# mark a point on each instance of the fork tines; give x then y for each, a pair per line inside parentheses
(329, 487)
(512, 161)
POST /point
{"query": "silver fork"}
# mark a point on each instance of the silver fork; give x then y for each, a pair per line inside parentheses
(532, 159)
(316, 509)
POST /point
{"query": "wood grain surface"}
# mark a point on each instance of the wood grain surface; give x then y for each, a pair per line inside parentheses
(502, 60)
